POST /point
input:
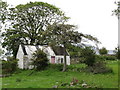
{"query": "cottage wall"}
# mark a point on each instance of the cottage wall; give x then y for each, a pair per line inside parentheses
(68, 60)
(20, 55)
(25, 60)
(58, 59)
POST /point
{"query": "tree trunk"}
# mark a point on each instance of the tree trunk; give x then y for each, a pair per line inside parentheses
(64, 66)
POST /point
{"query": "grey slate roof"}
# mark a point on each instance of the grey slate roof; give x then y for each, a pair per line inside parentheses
(59, 50)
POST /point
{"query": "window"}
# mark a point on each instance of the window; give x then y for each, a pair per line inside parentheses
(61, 60)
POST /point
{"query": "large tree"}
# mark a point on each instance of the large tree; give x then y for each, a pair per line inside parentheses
(3, 12)
(3, 18)
(117, 11)
(64, 34)
(28, 23)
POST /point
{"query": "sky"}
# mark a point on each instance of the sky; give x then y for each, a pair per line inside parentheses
(92, 17)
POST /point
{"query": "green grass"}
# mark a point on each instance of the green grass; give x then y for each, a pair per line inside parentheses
(0, 83)
(49, 78)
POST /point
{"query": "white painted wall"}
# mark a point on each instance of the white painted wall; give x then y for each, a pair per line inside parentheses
(20, 55)
(68, 60)
(59, 57)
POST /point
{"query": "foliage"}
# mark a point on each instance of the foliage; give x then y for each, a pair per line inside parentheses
(110, 57)
(1, 51)
(11, 41)
(117, 52)
(95, 63)
(98, 68)
(103, 51)
(3, 18)
(9, 66)
(88, 55)
(105, 57)
(117, 11)
(100, 57)
(73, 69)
(39, 60)
(65, 34)
(61, 34)
(49, 78)
(28, 23)
(73, 50)
(40, 23)
(3, 12)
(58, 67)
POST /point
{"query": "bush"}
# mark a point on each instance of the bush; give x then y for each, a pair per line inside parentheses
(110, 58)
(76, 60)
(88, 56)
(77, 69)
(100, 57)
(105, 57)
(117, 51)
(58, 67)
(98, 67)
(103, 51)
(10, 66)
(40, 60)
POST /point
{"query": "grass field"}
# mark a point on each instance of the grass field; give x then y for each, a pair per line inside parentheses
(49, 78)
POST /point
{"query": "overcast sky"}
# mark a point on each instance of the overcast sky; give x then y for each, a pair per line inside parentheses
(91, 16)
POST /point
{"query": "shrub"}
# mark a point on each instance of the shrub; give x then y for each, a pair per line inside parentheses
(40, 60)
(9, 66)
(76, 60)
(98, 67)
(117, 52)
(100, 57)
(88, 55)
(74, 68)
(58, 67)
(110, 58)
(105, 57)
(103, 51)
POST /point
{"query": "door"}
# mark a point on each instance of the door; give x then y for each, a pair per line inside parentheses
(52, 59)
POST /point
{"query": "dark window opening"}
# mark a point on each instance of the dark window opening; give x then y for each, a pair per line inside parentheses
(61, 60)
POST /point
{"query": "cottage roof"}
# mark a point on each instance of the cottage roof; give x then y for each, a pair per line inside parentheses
(29, 49)
(59, 50)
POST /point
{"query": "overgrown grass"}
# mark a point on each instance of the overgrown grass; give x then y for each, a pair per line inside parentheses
(49, 78)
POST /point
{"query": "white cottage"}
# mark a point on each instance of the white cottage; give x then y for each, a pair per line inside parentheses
(54, 54)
